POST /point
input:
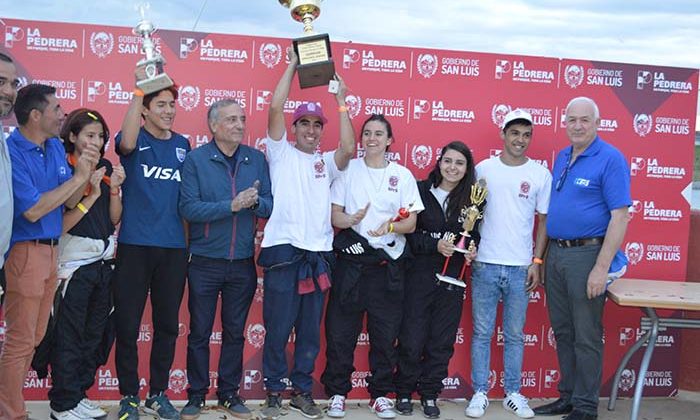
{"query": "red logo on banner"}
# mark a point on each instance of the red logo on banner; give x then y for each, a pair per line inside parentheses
(256, 335)
(634, 252)
(627, 379)
(13, 34)
(573, 75)
(187, 46)
(427, 65)
(101, 44)
(422, 156)
(354, 105)
(270, 54)
(642, 124)
(177, 381)
(498, 114)
(188, 97)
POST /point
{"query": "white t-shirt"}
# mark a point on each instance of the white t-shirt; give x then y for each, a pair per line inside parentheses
(514, 194)
(301, 213)
(387, 190)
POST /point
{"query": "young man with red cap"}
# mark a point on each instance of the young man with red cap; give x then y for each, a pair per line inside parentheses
(296, 249)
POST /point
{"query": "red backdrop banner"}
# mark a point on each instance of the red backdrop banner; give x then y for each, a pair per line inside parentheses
(432, 97)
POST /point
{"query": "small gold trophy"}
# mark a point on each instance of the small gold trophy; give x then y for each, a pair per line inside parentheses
(153, 63)
(316, 66)
(471, 214)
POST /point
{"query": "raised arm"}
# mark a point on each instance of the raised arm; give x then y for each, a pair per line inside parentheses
(275, 119)
(347, 134)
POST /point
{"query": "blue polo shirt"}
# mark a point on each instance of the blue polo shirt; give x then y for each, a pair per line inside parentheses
(36, 170)
(584, 195)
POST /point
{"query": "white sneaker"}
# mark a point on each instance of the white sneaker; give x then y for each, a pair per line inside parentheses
(383, 408)
(477, 405)
(336, 406)
(89, 409)
(516, 403)
(68, 415)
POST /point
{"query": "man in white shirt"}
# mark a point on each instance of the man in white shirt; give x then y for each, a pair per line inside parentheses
(8, 93)
(297, 247)
(504, 267)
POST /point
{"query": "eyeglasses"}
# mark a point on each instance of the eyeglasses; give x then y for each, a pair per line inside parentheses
(564, 173)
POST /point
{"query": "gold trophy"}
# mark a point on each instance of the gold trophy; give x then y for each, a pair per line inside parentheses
(471, 214)
(153, 63)
(316, 66)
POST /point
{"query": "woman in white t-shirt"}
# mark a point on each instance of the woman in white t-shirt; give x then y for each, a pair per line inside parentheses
(432, 309)
(368, 276)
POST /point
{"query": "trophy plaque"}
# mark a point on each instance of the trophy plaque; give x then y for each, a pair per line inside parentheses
(155, 78)
(471, 214)
(315, 66)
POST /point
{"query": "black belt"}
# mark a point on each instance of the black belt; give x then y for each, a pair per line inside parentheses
(51, 242)
(570, 243)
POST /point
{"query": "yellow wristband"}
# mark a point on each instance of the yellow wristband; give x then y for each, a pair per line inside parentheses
(342, 108)
(538, 261)
(391, 227)
(82, 208)
(139, 92)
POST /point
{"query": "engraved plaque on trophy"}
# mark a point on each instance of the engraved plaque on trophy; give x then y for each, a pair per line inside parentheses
(316, 66)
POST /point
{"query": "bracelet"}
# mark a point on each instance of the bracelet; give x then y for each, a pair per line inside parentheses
(538, 261)
(342, 108)
(81, 207)
(139, 92)
(391, 227)
(114, 192)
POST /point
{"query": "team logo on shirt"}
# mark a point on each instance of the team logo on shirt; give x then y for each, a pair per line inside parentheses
(524, 190)
(320, 168)
(177, 381)
(393, 182)
(180, 153)
(427, 65)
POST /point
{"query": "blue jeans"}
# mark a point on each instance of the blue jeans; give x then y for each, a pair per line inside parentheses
(490, 283)
(236, 281)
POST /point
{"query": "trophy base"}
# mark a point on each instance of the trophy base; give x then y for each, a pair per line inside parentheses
(159, 82)
(450, 280)
(316, 67)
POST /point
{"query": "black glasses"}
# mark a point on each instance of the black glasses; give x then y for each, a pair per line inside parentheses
(564, 173)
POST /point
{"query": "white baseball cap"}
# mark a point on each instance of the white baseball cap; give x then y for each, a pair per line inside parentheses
(516, 114)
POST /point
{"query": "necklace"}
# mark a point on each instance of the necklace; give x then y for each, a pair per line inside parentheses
(376, 186)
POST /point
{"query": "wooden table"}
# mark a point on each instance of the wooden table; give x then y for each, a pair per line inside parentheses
(649, 295)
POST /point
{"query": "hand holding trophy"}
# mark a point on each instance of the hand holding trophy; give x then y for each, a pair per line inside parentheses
(471, 213)
(150, 75)
(315, 66)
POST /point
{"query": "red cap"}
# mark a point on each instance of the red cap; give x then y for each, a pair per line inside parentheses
(309, 108)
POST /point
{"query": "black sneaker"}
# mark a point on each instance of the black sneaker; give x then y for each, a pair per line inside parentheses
(306, 405)
(234, 405)
(193, 408)
(272, 407)
(430, 408)
(404, 406)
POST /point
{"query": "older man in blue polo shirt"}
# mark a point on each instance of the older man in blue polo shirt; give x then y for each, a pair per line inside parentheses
(42, 183)
(591, 187)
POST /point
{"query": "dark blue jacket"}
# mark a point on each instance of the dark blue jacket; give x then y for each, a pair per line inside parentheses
(206, 192)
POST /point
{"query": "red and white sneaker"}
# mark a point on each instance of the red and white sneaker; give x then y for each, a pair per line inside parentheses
(336, 407)
(383, 408)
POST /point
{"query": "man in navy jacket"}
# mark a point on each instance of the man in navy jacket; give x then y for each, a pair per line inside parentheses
(225, 189)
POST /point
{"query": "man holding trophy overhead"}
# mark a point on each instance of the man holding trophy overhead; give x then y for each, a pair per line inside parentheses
(504, 267)
(152, 255)
(297, 247)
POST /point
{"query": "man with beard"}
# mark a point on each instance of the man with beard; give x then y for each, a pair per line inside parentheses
(152, 255)
(8, 92)
(41, 184)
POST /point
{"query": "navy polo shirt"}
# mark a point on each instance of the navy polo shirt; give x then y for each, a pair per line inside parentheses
(584, 194)
(36, 170)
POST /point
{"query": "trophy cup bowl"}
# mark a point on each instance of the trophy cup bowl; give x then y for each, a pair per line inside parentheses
(156, 79)
(315, 66)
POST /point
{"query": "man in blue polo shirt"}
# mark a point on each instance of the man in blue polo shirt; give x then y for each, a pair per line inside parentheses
(591, 187)
(151, 256)
(225, 188)
(42, 184)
